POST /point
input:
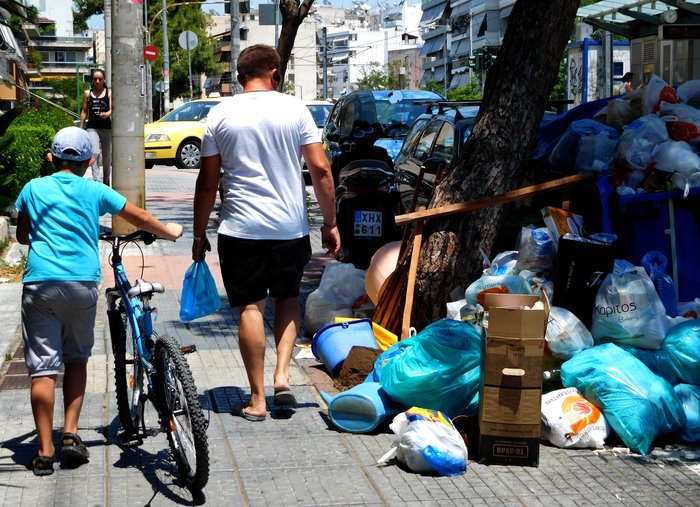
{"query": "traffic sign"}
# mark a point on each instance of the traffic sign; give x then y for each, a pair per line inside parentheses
(188, 40)
(150, 53)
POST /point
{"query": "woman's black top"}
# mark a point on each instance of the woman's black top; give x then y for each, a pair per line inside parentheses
(95, 107)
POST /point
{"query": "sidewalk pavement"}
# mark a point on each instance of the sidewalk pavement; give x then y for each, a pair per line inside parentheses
(296, 456)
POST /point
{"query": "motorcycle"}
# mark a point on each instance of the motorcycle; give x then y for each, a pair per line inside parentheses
(366, 196)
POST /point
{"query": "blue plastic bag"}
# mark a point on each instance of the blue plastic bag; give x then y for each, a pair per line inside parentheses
(656, 264)
(437, 369)
(637, 404)
(682, 342)
(690, 399)
(199, 297)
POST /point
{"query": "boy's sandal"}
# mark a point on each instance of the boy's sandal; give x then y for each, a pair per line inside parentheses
(42, 465)
(73, 449)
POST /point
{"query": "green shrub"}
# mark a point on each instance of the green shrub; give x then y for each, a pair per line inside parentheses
(26, 143)
(25, 158)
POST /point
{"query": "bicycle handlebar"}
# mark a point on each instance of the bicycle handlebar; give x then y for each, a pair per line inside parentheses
(144, 236)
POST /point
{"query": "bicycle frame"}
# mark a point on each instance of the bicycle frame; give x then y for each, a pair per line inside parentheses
(138, 310)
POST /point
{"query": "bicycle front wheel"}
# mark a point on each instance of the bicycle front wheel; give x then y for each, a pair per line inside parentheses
(182, 413)
(128, 370)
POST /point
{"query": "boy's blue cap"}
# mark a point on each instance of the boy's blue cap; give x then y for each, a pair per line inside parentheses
(72, 143)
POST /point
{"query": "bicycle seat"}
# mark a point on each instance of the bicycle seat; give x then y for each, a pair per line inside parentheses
(144, 287)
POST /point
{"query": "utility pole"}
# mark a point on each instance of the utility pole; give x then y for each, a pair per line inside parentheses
(235, 44)
(149, 84)
(324, 43)
(166, 61)
(108, 42)
(128, 91)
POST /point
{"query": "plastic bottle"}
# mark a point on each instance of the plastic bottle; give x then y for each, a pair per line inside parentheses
(655, 263)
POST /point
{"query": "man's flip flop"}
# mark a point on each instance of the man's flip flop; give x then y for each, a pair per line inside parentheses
(284, 397)
(240, 412)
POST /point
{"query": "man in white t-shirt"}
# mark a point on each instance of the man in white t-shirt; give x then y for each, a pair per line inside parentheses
(255, 140)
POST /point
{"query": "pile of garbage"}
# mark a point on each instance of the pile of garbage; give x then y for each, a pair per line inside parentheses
(621, 356)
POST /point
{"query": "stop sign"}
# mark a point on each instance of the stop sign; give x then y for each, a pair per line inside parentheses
(150, 52)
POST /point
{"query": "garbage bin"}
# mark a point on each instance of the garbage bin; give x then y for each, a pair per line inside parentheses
(366, 201)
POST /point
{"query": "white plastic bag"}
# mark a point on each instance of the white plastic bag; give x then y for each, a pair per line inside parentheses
(628, 309)
(682, 121)
(656, 91)
(569, 420)
(638, 140)
(566, 335)
(427, 442)
(340, 286)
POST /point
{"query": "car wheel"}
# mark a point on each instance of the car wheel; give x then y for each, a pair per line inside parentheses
(188, 154)
(149, 165)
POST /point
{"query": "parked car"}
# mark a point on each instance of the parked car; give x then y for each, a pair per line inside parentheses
(320, 110)
(391, 112)
(435, 141)
(176, 138)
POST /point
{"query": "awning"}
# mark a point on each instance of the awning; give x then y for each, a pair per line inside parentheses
(427, 48)
(439, 74)
(637, 18)
(459, 80)
(459, 48)
(340, 57)
(460, 10)
(433, 11)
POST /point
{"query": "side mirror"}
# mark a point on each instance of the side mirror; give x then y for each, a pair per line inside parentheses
(434, 165)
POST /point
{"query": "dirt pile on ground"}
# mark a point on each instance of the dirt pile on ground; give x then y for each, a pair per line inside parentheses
(356, 367)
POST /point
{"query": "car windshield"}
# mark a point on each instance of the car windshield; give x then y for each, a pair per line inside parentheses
(193, 111)
(320, 113)
(399, 114)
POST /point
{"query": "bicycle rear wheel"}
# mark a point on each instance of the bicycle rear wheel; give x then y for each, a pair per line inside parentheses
(182, 413)
(128, 370)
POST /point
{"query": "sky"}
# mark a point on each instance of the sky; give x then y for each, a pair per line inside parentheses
(97, 22)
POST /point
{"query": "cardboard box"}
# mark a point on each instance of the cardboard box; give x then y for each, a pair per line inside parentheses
(511, 380)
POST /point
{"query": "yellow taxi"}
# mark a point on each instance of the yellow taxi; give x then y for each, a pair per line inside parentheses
(176, 138)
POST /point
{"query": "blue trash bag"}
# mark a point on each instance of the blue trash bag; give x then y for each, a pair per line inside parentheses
(683, 345)
(567, 151)
(690, 399)
(437, 369)
(658, 361)
(199, 297)
(637, 404)
(656, 264)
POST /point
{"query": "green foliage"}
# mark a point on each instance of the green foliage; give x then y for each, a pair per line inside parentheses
(24, 147)
(434, 86)
(559, 90)
(83, 10)
(15, 22)
(181, 18)
(379, 77)
(471, 91)
(64, 91)
(34, 58)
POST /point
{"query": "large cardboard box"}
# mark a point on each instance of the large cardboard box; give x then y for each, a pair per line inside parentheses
(511, 380)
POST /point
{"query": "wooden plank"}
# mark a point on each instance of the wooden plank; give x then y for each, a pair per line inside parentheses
(495, 200)
(411, 282)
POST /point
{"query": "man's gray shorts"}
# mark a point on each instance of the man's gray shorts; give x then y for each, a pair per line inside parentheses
(58, 321)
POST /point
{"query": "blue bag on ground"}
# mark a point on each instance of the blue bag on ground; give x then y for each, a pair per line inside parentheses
(199, 297)
(637, 404)
(437, 369)
(690, 399)
(682, 342)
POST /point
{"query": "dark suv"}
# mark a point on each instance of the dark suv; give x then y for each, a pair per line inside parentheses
(435, 141)
(388, 113)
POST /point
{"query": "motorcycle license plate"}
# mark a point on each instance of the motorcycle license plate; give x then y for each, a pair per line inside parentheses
(368, 224)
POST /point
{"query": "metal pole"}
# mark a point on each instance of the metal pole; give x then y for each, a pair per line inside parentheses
(324, 44)
(166, 62)
(189, 61)
(277, 24)
(149, 76)
(235, 45)
(128, 91)
(108, 42)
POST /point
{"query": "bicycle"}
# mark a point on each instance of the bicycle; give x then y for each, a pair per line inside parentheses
(140, 353)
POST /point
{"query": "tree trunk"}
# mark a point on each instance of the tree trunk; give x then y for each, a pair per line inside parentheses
(496, 154)
(293, 14)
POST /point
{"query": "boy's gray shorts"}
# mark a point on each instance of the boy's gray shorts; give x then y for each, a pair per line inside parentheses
(58, 321)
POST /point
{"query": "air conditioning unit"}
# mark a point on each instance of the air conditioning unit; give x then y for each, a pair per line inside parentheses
(583, 30)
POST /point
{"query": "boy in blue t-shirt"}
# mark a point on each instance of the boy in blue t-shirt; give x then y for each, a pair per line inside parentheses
(59, 220)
